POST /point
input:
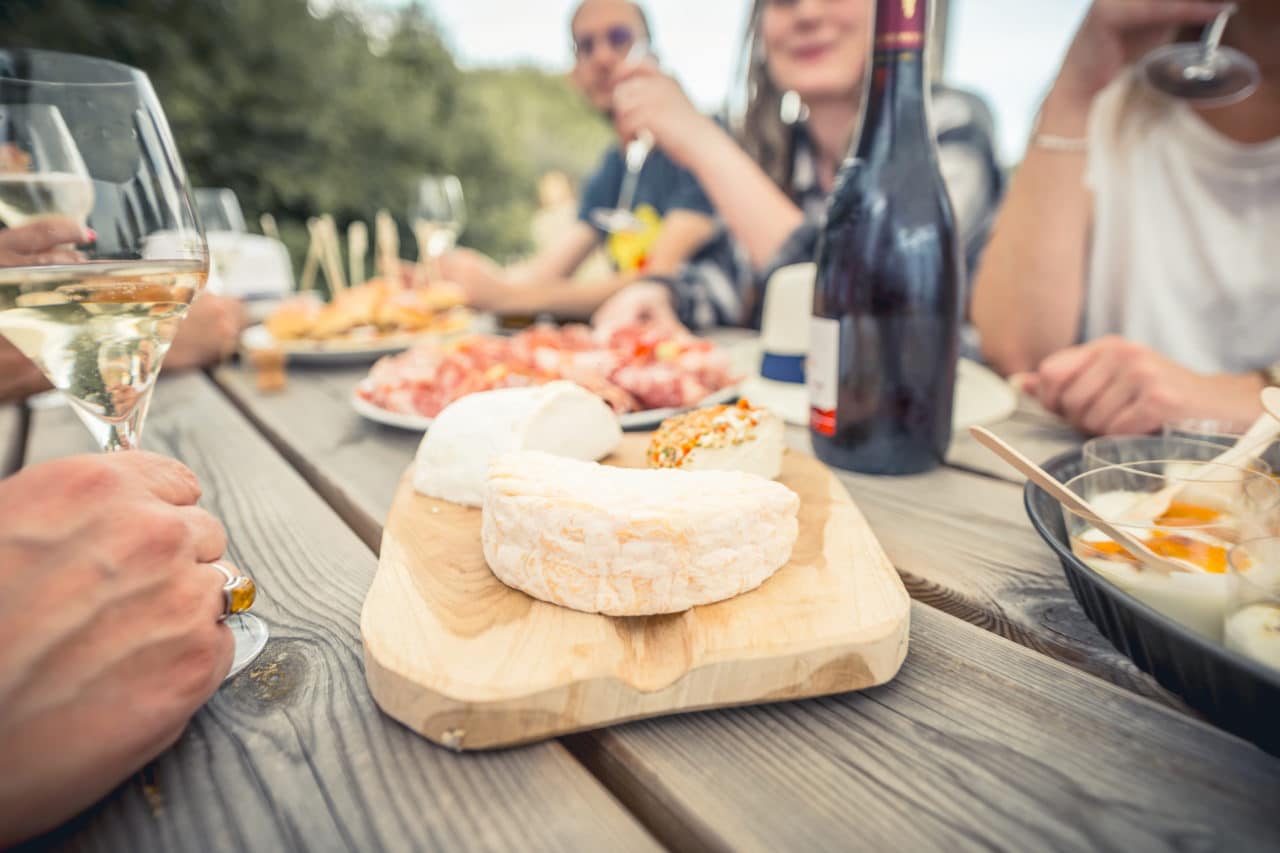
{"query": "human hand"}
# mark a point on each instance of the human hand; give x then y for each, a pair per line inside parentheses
(109, 627)
(19, 376)
(1113, 387)
(1116, 33)
(644, 303)
(483, 281)
(43, 242)
(209, 333)
(646, 99)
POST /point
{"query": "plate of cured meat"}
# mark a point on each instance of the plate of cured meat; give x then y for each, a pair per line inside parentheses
(644, 377)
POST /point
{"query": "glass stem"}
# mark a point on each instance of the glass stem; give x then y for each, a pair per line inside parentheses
(117, 434)
(1213, 35)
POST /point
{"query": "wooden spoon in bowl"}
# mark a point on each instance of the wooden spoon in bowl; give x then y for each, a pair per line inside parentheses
(1247, 448)
(1135, 546)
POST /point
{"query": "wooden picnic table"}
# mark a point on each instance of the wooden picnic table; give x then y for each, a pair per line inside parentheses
(1012, 725)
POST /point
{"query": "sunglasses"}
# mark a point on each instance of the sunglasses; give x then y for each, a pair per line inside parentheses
(618, 38)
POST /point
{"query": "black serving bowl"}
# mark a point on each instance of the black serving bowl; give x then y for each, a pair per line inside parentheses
(1235, 692)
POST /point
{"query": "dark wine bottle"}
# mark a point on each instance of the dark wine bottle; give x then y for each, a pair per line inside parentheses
(887, 299)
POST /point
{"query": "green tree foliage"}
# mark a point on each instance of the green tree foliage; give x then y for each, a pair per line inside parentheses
(303, 114)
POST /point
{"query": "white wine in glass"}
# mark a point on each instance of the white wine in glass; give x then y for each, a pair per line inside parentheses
(438, 212)
(100, 320)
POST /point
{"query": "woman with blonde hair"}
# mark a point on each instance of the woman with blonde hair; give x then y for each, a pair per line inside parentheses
(769, 178)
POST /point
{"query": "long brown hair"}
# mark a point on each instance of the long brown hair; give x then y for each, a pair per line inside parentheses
(761, 131)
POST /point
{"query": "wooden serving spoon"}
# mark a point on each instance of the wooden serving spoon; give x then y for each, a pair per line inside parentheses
(1135, 546)
(1271, 401)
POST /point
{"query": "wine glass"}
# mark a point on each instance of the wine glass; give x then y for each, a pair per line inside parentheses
(1203, 72)
(41, 171)
(621, 218)
(219, 210)
(223, 223)
(438, 214)
(100, 326)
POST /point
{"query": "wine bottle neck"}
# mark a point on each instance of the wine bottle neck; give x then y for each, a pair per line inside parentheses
(895, 95)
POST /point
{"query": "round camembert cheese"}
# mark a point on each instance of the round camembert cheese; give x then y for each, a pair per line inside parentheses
(629, 541)
(720, 438)
(559, 418)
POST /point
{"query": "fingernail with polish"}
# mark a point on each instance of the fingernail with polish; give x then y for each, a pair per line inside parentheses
(90, 236)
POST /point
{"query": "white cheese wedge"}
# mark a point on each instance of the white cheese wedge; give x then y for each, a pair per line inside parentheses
(632, 542)
(721, 438)
(560, 418)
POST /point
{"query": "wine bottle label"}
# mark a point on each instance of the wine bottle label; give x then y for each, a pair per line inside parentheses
(900, 24)
(823, 372)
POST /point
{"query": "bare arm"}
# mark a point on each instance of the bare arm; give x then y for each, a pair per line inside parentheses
(541, 286)
(1028, 295)
(757, 212)
(557, 261)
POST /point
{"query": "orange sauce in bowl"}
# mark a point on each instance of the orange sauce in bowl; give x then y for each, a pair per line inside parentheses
(1211, 558)
(1208, 556)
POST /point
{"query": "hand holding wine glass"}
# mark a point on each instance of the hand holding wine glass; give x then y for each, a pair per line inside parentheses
(49, 240)
(646, 99)
(88, 715)
(620, 217)
(1116, 33)
(99, 322)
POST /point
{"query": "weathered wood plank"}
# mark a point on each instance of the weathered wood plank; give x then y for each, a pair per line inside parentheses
(13, 434)
(978, 744)
(346, 458)
(1031, 429)
(963, 544)
(293, 754)
(978, 739)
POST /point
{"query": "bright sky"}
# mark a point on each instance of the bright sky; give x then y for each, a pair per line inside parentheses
(1008, 50)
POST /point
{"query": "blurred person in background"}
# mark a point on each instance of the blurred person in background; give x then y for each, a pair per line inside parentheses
(557, 212)
(681, 243)
(1132, 277)
(208, 334)
(805, 60)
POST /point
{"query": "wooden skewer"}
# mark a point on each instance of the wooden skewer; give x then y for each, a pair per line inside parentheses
(333, 249)
(422, 231)
(268, 223)
(357, 246)
(388, 246)
(1078, 505)
(311, 265)
(320, 235)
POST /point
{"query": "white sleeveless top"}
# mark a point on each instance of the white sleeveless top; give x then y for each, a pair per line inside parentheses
(1185, 253)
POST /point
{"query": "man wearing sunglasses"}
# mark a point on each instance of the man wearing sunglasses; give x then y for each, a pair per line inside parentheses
(673, 241)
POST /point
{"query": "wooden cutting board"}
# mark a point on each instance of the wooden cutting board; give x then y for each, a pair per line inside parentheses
(470, 663)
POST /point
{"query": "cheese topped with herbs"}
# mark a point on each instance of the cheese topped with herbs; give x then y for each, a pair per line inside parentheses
(736, 437)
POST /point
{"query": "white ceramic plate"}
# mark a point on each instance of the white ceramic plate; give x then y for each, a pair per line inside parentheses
(353, 351)
(982, 397)
(648, 419)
